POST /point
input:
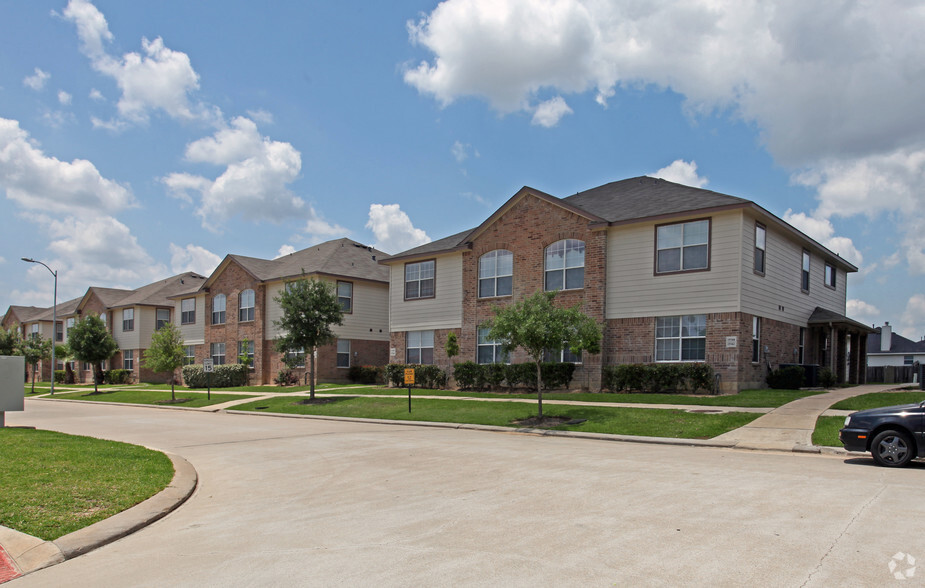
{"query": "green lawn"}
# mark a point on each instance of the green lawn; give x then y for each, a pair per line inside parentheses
(196, 399)
(879, 399)
(744, 399)
(54, 484)
(150, 386)
(826, 433)
(624, 421)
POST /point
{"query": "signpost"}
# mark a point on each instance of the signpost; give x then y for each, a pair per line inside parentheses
(409, 381)
(208, 368)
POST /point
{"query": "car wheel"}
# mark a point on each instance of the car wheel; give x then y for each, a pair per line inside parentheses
(892, 449)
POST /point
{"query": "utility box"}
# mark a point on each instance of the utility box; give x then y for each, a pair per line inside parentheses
(12, 393)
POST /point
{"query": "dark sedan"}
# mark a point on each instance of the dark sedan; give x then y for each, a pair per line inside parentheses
(894, 435)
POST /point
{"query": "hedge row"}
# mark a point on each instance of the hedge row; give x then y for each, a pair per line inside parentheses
(473, 376)
(109, 377)
(425, 376)
(224, 376)
(658, 377)
(366, 374)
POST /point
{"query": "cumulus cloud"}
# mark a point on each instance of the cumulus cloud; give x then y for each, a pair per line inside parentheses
(912, 323)
(862, 311)
(548, 113)
(192, 258)
(822, 230)
(681, 172)
(317, 229)
(284, 250)
(393, 229)
(461, 151)
(64, 98)
(39, 182)
(37, 80)
(97, 95)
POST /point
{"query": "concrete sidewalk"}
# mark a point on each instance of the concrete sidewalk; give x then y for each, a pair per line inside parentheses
(790, 427)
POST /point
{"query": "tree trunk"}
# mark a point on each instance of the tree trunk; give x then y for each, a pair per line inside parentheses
(97, 376)
(539, 390)
(311, 376)
(173, 397)
(34, 366)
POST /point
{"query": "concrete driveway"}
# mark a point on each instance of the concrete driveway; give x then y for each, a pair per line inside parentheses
(302, 502)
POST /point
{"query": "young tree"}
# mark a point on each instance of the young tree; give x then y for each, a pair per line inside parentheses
(63, 354)
(536, 324)
(166, 354)
(10, 341)
(451, 347)
(91, 342)
(36, 349)
(310, 309)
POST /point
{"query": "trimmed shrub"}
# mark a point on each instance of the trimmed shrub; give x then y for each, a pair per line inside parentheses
(286, 378)
(60, 376)
(118, 377)
(469, 375)
(366, 374)
(658, 377)
(395, 374)
(224, 376)
(827, 378)
(786, 378)
(425, 376)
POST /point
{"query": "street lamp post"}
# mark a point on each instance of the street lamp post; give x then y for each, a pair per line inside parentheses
(54, 320)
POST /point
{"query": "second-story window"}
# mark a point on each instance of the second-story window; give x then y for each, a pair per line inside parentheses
(496, 273)
(59, 331)
(34, 334)
(218, 309)
(804, 274)
(128, 319)
(188, 311)
(565, 265)
(162, 318)
(760, 245)
(419, 279)
(246, 307)
(345, 296)
(829, 275)
(682, 247)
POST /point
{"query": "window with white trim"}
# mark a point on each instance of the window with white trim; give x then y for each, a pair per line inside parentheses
(804, 274)
(830, 275)
(801, 350)
(188, 311)
(246, 349)
(908, 359)
(128, 359)
(296, 357)
(103, 318)
(343, 353)
(161, 318)
(490, 350)
(682, 247)
(34, 334)
(760, 246)
(189, 354)
(564, 355)
(496, 274)
(217, 352)
(246, 306)
(419, 347)
(218, 309)
(756, 339)
(564, 263)
(345, 296)
(420, 279)
(681, 338)
(128, 319)
(59, 331)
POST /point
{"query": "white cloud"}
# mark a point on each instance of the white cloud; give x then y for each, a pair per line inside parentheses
(284, 250)
(862, 311)
(38, 182)
(2, 260)
(912, 322)
(822, 230)
(681, 172)
(160, 79)
(319, 230)
(393, 229)
(192, 258)
(460, 151)
(37, 80)
(64, 98)
(97, 95)
(228, 145)
(548, 113)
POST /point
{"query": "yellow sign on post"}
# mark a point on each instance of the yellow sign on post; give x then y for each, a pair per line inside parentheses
(409, 376)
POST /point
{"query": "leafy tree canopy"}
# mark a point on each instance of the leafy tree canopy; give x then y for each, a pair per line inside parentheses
(10, 341)
(91, 342)
(166, 353)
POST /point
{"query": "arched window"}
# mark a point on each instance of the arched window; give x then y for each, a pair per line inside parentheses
(496, 269)
(218, 309)
(246, 306)
(565, 265)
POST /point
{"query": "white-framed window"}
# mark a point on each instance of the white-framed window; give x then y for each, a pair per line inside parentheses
(218, 309)
(564, 264)
(804, 274)
(801, 350)
(299, 357)
(189, 354)
(188, 311)
(59, 331)
(908, 359)
(128, 319)
(489, 350)
(419, 348)
(830, 275)
(246, 306)
(756, 339)
(681, 247)
(103, 318)
(161, 318)
(246, 349)
(564, 355)
(343, 353)
(420, 279)
(34, 331)
(681, 338)
(345, 296)
(760, 247)
(496, 274)
(217, 351)
(69, 324)
(128, 359)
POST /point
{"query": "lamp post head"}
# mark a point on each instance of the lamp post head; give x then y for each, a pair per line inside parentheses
(30, 260)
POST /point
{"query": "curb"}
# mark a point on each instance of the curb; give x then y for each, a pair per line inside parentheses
(30, 553)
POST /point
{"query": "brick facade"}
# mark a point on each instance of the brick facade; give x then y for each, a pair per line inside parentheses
(231, 282)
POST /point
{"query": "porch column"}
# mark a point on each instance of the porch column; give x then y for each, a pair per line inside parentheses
(840, 355)
(855, 355)
(862, 358)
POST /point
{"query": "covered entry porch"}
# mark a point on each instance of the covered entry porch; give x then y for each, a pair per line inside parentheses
(840, 344)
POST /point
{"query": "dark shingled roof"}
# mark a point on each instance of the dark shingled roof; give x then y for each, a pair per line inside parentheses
(63, 309)
(160, 292)
(445, 244)
(822, 316)
(898, 344)
(24, 314)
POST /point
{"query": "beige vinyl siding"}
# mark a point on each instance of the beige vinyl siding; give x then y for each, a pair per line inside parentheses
(633, 289)
(146, 327)
(194, 334)
(777, 294)
(126, 339)
(370, 311)
(443, 311)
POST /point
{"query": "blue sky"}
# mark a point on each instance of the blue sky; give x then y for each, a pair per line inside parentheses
(139, 140)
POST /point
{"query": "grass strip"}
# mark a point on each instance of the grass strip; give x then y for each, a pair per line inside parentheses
(184, 398)
(826, 431)
(54, 484)
(622, 421)
(879, 399)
